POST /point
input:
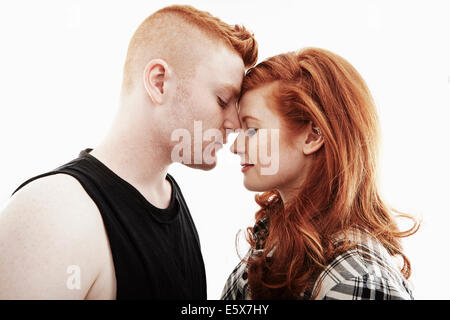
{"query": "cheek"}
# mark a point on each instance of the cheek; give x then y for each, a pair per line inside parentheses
(284, 166)
(201, 109)
(292, 162)
(209, 115)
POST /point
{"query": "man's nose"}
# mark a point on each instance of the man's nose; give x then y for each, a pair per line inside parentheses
(231, 121)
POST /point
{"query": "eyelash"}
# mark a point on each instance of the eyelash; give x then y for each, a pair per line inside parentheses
(221, 103)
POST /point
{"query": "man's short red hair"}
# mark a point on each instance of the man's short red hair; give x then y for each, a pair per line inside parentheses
(171, 33)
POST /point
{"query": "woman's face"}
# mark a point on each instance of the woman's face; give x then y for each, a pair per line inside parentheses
(271, 156)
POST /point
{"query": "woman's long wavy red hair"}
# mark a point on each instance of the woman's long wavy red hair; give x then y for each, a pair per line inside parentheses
(340, 191)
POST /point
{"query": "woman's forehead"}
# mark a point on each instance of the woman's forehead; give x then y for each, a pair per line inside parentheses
(255, 100)
(258, 105)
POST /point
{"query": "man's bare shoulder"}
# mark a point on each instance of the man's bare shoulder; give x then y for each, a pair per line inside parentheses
(57, 197)
(53, 187)
(47, 226)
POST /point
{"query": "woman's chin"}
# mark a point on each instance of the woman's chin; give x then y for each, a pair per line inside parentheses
(255, 187)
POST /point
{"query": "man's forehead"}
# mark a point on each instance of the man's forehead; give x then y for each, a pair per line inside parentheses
(234, 89)
(224, 62)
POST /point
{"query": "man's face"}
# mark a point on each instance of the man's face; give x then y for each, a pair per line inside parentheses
(205, 108)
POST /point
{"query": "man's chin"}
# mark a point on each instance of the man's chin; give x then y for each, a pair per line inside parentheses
(202, 166)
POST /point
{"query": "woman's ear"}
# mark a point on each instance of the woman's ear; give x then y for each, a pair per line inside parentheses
(156, 76)
(314, 139)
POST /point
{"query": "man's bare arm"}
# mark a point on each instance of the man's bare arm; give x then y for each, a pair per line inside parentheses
(49, 241)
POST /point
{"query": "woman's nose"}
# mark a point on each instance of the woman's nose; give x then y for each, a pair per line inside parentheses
(238, 146)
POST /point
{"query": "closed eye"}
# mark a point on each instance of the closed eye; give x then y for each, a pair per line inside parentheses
(222, 103)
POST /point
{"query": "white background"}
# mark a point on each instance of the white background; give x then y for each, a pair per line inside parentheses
(60, 75)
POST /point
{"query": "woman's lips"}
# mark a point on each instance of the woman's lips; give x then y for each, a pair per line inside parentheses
(246, 166)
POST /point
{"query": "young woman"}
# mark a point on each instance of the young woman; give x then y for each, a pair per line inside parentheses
(322, 232)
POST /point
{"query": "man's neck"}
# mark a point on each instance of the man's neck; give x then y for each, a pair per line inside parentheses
(141, 161)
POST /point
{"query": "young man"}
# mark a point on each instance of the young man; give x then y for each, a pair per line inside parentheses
(113, 224)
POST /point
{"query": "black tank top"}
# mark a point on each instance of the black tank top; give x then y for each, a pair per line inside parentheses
(156, 252)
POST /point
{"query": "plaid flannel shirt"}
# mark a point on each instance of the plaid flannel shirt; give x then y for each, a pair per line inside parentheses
(366, 271)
